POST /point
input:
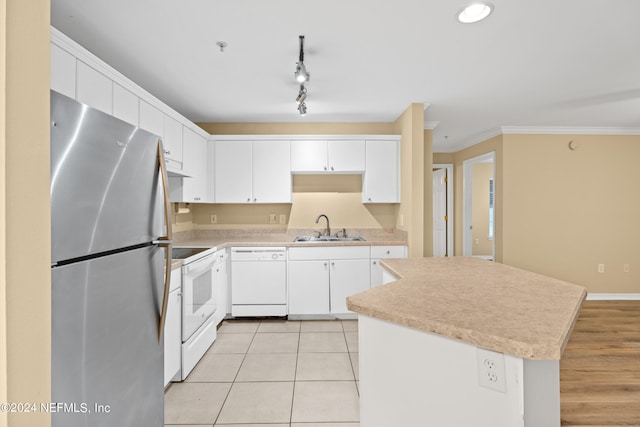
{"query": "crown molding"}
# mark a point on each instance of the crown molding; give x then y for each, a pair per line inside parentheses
(430, 125)
(569, 130)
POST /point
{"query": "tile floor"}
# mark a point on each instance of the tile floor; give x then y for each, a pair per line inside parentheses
(272, 373)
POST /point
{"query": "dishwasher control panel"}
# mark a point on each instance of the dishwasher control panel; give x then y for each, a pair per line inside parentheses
(258, 254)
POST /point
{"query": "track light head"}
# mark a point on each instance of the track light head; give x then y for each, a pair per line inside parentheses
(301, 73)
(302, 109)
(302, 95)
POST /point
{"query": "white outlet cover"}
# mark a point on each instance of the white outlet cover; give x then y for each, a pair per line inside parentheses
(491, 372)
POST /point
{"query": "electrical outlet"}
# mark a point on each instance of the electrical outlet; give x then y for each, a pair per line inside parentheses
(283, 219)
(491, 372)
(600, 268)
(214, 219)
(272, 219)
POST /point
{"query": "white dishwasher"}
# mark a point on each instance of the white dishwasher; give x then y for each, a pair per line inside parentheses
(258, 281)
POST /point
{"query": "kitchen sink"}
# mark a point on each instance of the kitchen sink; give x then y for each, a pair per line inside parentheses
(320, 239)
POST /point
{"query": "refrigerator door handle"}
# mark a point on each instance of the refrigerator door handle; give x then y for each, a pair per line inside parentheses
(165, 241)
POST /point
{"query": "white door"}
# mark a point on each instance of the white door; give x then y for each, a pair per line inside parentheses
(271, 172)
(308, 287)
(381, 178)
(346, 155)
(233, 172)
(308, 156)
(347, 277)
(440, 213)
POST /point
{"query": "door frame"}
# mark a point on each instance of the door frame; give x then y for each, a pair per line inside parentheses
(450, 211)
(467, 201)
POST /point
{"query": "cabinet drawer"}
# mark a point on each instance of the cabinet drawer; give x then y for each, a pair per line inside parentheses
(388, 252)
(335, 252)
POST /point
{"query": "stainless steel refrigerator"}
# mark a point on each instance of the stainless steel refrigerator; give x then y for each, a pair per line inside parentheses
(111, 252)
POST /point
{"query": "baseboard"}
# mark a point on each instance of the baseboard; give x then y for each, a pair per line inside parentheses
(613, 297)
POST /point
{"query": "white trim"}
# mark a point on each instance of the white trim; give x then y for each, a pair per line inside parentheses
(80, 53)
(569, 130)
(295, 137)
(431, 124)
(467, 234)
(612, 297)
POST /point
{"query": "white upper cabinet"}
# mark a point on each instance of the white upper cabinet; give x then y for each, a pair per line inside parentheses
(125, 105)
(310, 156)
(63, 71)
(151, 119)
(381, 182)
(94, 88)
(233, 177)
(194, 156)
(271, 172)
(173, 140)
(346, 155)
(252, 171)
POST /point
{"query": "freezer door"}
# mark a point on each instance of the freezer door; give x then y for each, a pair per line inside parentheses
(105, 349)
(105, 186)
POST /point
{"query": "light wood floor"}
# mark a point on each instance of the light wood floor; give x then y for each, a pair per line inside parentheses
(600, 367)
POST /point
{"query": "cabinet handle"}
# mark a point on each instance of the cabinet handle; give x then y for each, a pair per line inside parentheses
(325, 168)
(255, 200)
(326, 264)
(375, 262)
(331, 167)
(388, 252)
(369, 199)
(333, 264)
(248, 199)
(167, 152)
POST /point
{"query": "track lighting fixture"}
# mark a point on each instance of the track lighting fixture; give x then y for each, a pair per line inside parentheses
(302, 76)
(302, 95)
(301, 73)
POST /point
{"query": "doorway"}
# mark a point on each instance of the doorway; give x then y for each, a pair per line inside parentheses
(443, 210)
(478, 182)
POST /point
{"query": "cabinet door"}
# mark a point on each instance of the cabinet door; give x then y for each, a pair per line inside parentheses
(233, 171)
(172, 139)
(308, 287)
(93, 88)
(309, 156)
(151, 119)
(194, 148)
(125, 105)
(381, 182)
(346, 155)
(381, 252)
(271, 172)
(347, 277)
(172, 332)
(63, 71)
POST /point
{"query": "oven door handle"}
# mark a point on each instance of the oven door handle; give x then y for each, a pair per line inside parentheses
(203, 264)
(165, 241)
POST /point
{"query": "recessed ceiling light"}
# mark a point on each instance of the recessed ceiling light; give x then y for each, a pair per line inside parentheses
(475, 12)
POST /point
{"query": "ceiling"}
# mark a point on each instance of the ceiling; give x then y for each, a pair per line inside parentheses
(531, 64)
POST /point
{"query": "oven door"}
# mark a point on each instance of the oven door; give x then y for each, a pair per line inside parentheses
(199, 294)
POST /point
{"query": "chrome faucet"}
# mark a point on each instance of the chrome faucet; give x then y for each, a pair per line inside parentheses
(327, 231)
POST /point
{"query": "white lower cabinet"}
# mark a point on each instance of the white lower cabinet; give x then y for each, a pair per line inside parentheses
(321, 278)
(382, 252)
(173, 328)
(308, 287)
(347, 277)
(220, 278)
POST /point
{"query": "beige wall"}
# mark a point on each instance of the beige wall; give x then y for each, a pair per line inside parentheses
(561, 212)
(337, 196)
(482, 173)
(567, 211)
(25, 279)
(411, 217)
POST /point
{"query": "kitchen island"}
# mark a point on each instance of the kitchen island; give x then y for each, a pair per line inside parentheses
(462, 341)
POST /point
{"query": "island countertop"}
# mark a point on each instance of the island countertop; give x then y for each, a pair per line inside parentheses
(484, 303)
